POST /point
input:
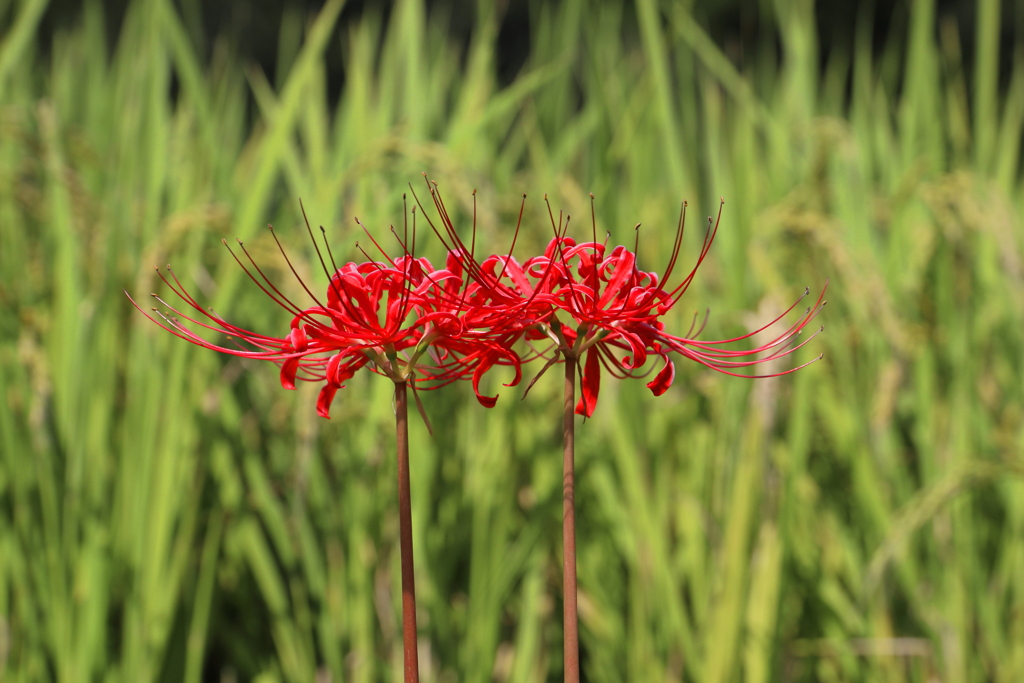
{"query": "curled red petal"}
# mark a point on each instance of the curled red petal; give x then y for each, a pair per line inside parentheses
(341, 369)
(288, 370)
(517, 366)
(625, 262)
(323, 402)
(332, 368)
(591, 382)
(297, 337)
(663, 380)
(485, 401)
(639, 349)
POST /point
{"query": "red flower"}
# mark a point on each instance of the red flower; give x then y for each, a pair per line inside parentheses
(615, 310)
(403, 318)
(400, 317)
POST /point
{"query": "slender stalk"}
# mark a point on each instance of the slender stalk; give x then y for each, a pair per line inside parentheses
(412, 667)
(569, 615)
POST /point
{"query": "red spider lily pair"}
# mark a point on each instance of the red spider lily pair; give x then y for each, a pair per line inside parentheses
(426, 327)
(429, 327)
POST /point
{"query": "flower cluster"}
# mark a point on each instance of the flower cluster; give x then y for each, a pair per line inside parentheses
(401, 317)
(426, 326)
(599, 306)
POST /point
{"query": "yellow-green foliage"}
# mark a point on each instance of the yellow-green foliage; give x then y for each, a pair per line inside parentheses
(168, 514)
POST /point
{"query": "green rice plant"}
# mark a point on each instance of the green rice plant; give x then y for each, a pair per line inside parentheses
(168, 515)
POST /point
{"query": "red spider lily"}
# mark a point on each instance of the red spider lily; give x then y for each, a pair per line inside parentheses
(616, 308)
(400, 317)
(391, 316)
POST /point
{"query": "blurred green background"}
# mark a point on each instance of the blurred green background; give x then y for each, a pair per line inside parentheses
(169, 514)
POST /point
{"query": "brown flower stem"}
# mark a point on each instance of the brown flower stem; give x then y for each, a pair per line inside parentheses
(569, 615)
(412, 667)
